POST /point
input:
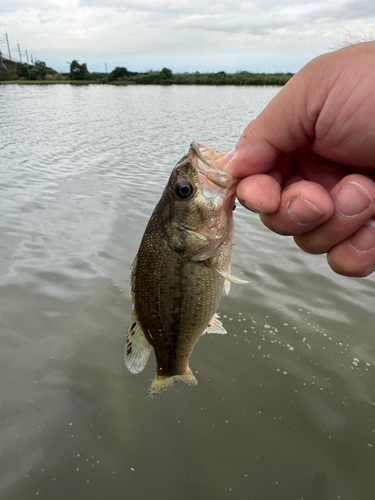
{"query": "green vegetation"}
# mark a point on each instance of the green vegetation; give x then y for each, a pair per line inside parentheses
(78, 71)
(239, 78)
(19, 71)
(166, 77)
(79, 74)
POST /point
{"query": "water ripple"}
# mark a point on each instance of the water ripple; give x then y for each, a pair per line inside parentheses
(285, 403)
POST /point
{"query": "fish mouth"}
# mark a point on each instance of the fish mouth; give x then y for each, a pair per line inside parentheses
(199, 156)
(213, 180)
(205, 160)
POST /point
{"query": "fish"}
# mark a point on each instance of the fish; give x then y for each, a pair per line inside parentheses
(181, 267)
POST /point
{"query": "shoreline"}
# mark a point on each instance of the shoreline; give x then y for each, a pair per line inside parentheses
(127, 83)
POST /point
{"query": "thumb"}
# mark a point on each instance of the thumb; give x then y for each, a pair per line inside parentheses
(286, 124)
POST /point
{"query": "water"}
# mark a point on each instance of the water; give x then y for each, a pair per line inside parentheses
(285, 403)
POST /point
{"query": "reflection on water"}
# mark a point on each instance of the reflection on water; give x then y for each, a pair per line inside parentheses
(285, 402)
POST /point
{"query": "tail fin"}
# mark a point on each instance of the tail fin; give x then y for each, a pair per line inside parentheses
(160, 384)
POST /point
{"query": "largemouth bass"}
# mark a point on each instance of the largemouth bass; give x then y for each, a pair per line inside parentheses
(179, 272)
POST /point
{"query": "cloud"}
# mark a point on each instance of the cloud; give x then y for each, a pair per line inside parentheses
(218, 34)
(7, 6)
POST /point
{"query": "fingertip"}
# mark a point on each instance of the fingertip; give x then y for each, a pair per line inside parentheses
(355, 256)
(259, 193)
(364, 239)
(303, 207)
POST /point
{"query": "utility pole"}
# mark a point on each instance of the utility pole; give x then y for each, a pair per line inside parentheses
(10, 55)
(19, 51)
(106, 68)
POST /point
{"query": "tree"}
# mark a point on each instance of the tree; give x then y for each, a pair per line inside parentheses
(38, 71)
(166, 73)
(78, 71)
(118, 73)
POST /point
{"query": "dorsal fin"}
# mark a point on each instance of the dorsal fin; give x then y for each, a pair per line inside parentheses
(137, 347)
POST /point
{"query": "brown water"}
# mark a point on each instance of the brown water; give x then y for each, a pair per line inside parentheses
(285, 403)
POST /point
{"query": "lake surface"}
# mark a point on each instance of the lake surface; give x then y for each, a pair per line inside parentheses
(285, 403)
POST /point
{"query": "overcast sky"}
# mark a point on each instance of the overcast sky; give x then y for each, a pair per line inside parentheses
(183, 35)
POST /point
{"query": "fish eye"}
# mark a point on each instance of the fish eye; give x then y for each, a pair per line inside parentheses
(184, 189)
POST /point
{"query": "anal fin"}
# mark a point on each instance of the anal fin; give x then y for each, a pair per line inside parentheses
(137, 347)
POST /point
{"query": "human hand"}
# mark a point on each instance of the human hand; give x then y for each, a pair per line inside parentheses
(307, 162)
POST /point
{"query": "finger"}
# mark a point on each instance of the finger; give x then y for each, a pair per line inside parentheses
(259, 193)
(307, 165)
(303, 206)
(292, 179)
(285, 125)
(355, 256)
(353, 198)
(266, 139)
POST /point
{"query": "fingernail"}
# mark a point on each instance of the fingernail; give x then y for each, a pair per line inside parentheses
(364, 239)
(226, 159)
(303, 212)
(352, 200)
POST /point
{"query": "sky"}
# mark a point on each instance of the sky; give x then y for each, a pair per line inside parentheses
(183, 35)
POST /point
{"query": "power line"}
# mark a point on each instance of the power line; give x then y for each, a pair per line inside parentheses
(15, 49)
(7, 39)
(19, 51)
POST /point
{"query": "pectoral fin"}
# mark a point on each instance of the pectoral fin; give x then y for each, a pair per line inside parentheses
(215, 326)
(197, 235)
(227, 282)
(137, 347)
(202, 237)
(226, 275)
